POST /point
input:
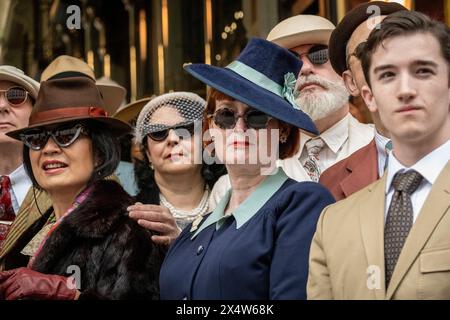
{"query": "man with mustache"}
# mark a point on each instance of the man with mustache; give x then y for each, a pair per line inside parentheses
(323, 97)
(367, 164)
(17, 95)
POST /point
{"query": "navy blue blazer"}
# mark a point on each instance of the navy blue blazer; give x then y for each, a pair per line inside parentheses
(264, 258)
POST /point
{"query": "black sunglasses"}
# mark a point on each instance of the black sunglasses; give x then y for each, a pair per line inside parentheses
(180, 131)
(226, 118)
(15, 95)
(317, 54)
(36, 139)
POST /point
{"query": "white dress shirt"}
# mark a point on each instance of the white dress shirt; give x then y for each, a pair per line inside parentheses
(20, 184)
(380, 142)
(341, 140)
(429, 167)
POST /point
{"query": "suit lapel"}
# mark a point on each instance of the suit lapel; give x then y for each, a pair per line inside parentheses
(371, 214)
(28, 214)
(434, 208)
(363, 170)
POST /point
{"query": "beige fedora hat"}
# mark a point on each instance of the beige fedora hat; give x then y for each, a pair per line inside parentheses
(301, 29)
(17, 76)
(130, 111)
(66, 66)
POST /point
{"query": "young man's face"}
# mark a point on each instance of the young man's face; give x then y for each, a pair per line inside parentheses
(410, 89)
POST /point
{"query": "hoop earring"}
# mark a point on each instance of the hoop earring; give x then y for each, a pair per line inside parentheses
(150, 164)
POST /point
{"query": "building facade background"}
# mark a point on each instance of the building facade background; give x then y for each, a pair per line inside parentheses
(143, 44)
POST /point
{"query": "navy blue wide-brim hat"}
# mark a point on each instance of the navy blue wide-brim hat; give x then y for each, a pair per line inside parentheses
(263, 77)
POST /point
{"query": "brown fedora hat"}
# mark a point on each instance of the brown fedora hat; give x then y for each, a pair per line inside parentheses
(70, 99)
(130, 111)
(344, 30)
(67, 66)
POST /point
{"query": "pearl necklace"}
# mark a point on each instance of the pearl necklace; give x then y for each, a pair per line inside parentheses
(188, 215)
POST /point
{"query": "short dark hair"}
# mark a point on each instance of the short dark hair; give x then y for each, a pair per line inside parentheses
(286, 150)
(404, 23)
(106, 149)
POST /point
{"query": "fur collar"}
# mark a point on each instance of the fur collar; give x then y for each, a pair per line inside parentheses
(102, 211)
(104, 207)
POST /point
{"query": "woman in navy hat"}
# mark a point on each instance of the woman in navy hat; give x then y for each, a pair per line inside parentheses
(255, 244)
(87, 246)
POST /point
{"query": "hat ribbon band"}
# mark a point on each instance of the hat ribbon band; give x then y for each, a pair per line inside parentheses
(90, 112)
(287, 91)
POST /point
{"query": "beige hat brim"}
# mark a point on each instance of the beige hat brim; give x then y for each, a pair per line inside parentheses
(118, 128)
(131, 110)
(113, 96)
(32, 89)
(305, 37)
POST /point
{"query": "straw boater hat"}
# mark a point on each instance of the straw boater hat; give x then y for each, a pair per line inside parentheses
(70, 99)
(263, 77)
(301, 29)
(17, 76)
(344, 30)
(130, 111)
(66, 66)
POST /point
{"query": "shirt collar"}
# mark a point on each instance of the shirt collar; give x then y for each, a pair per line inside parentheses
(429, 166)
(336, 136)
(247, 209)
(20, 183)
(380, 142)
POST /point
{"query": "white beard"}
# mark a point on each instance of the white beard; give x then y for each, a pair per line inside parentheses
(320, 104)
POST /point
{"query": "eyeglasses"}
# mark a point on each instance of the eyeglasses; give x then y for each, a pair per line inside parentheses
(226, 118)
(317, 54)
(36, 139)
(15, 95)
(180, 131)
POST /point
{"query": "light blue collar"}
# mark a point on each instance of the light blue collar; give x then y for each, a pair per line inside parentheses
(247, 209)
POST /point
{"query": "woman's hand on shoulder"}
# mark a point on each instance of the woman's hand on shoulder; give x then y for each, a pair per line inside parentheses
(158, 219)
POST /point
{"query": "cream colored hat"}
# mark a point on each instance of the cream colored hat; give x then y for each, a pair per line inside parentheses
(13, 74)
(130, 111)
(301, 29)
(65, 66)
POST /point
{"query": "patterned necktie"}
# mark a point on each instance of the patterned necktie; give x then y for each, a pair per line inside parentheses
(388, 149)
(399, 218)
(6, 209)
(313, 147)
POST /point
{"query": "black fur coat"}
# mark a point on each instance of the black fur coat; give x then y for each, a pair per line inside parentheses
(115, 256)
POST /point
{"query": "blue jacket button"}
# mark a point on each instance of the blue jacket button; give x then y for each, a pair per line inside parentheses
(200, 250)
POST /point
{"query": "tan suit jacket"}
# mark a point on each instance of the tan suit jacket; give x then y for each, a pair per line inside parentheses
(353, 173)
(347, 251)
(28, 214)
